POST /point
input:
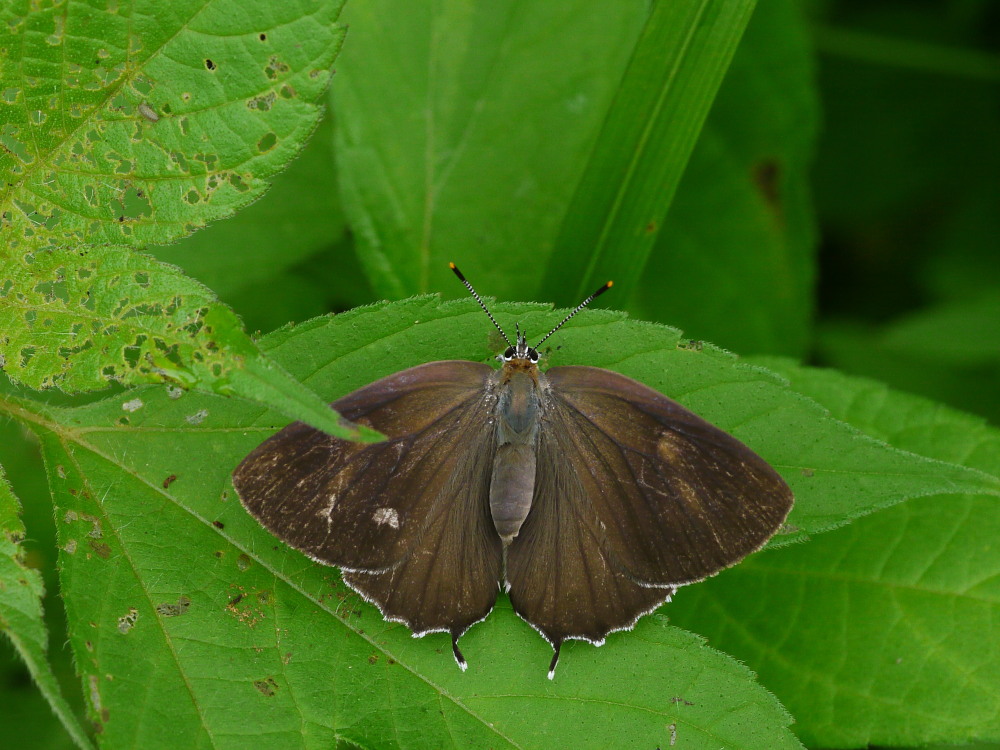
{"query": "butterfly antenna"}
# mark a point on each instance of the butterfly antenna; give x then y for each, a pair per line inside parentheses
(579, 307)
(483, 304)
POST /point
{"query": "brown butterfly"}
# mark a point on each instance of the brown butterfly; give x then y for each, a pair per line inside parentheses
(589, 497)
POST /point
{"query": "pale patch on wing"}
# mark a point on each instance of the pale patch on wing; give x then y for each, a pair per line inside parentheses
(386, 515)
(670, 447)
(328, 510)
(335, 490)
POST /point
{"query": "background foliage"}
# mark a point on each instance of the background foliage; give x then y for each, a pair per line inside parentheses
(805, 186)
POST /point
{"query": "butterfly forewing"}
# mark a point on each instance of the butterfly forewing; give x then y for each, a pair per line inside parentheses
(407, 518)
(636, 495)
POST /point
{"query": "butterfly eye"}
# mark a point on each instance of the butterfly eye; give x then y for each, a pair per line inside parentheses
(533, 356)
(509, 354)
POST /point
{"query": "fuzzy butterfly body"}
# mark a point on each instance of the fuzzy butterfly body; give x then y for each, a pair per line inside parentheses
(586, 495)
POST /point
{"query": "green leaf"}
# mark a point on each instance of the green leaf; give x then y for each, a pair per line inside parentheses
(187, 592)
(21, 591)
(123, 316)
(885, 632)
(463, 129)
(164, 119)
(298, 217)
(644, 145)
(734, 262)
(136, 125)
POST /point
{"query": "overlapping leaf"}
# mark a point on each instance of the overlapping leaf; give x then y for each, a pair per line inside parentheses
(132, 126)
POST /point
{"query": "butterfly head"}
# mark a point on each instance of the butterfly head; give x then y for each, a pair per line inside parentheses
(520, 356)
(520, 351)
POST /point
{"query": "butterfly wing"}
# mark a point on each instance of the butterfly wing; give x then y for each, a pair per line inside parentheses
(634, 496)
(408, 519)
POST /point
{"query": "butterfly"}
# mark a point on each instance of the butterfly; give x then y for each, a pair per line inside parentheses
(586, 496)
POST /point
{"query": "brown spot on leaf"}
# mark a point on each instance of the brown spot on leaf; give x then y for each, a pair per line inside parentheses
(245, 608)
(127, 621)
(266, 687)
(169, 481)
(101, 549)
(767, 178)
(173, 610)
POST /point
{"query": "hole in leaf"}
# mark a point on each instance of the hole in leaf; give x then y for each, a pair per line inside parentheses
(237, 182)
(262, 102)
(135, 205)
(267, 142)
(8, 138)
(275, 68)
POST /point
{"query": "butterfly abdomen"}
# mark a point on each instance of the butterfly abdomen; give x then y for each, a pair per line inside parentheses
(513, 481)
